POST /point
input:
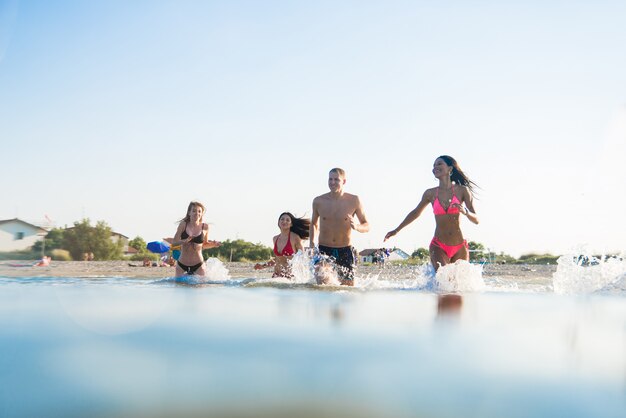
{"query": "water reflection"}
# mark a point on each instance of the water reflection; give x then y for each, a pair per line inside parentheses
(449, 306)
(336, 314)
(106, 350)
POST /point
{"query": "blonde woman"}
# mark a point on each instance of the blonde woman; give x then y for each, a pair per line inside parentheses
(191, 235)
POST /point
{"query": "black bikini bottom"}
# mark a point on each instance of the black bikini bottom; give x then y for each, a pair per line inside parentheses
(190, 269)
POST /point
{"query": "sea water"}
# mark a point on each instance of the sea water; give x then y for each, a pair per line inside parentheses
(418, 344)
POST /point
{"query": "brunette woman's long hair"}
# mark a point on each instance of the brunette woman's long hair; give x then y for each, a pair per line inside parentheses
(457, 175)
(299, 226)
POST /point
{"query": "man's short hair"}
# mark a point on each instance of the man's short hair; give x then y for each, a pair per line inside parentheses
(340, 171)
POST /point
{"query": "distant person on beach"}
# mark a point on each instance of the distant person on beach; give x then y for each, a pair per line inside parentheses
(191, 235)
(164, 261)
(292, 231)
(44, 262)
(335, 212)
(452, 198)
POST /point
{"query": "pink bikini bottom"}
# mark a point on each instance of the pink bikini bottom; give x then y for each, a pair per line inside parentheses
(450, 250)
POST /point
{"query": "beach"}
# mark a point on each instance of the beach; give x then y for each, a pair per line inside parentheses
(134, 269)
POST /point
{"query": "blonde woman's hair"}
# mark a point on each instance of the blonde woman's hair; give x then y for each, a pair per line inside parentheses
(187, 217)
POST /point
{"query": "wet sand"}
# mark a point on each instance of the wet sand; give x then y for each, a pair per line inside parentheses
(238, 270)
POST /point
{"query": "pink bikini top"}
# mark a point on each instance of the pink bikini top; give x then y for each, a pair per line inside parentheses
(287, 249)
(438, 208)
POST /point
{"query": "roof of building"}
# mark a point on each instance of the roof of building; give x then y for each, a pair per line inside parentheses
(368, 251)
(5, 221)
(400, 252)
(371, 251)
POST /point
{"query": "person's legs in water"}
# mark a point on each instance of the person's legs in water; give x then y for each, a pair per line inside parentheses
(343, 261)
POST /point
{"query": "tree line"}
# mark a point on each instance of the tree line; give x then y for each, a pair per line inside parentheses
(75, 242)
(83, 238)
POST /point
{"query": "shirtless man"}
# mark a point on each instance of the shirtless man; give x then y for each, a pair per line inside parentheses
(336, 210)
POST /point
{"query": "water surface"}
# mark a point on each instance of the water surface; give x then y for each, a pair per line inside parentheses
(245, 346)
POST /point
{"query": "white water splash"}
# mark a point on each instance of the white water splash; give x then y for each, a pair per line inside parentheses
(421, 278)
(216, 270)
(461, 276)
(302, 268)
(458, 277)
(303, 271)
(583, 273)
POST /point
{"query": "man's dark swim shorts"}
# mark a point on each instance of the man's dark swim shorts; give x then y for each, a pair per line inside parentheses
(343, 260)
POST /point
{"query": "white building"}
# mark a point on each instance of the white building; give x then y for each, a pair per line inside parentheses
(16, 235)
(398, 254)
(367, 256)
(116, 237)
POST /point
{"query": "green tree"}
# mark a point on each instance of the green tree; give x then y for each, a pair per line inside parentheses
(84, 238)
(477, 251)
(538, 259)
(139, 244)
(239, 250)
(53, 241)
(503, 258)
(421, 255)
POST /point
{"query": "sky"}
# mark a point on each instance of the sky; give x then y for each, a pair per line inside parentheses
(124, 112)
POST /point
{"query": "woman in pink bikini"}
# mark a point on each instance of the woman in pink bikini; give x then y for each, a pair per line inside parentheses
(292, 231)
(451, 199)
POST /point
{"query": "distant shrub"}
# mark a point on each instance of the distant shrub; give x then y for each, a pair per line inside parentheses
(538, 259)
(503, 258)
(60, 255)
(239, 250)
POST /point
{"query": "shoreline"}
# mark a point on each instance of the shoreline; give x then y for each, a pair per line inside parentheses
(122, 268)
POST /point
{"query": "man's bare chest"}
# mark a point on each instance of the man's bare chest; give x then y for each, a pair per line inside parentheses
(336, 211)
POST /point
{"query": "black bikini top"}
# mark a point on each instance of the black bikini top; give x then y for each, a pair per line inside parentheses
(198, 239)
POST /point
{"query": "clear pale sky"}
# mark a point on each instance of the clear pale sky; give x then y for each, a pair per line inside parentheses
(124, 111)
